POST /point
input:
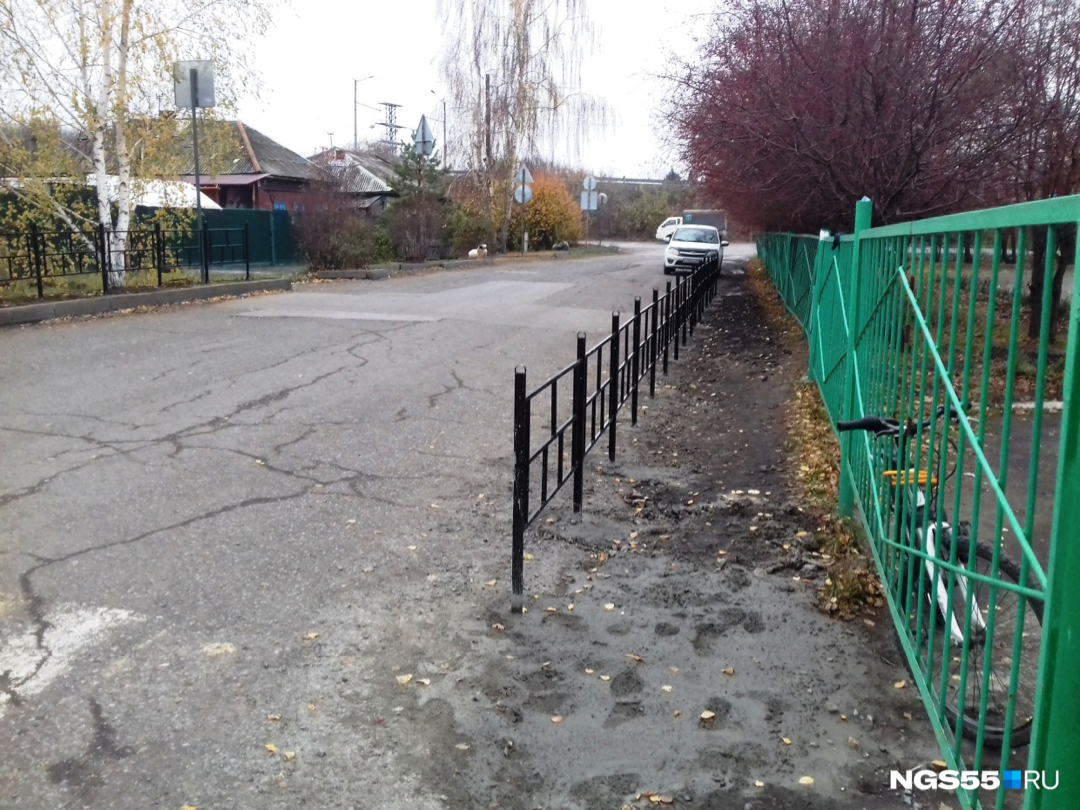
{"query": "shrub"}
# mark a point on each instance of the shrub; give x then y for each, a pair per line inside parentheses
(552, 216)
(334, 236)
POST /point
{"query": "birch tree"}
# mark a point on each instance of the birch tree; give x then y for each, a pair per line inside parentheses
(87, 90)
(514, 72)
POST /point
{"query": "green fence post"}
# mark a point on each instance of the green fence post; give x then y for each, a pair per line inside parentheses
(863, 214)
(1055, 744)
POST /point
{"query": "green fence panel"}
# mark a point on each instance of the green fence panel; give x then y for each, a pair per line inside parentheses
(969, 511)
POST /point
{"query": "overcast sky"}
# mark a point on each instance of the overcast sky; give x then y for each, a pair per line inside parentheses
(314, 51)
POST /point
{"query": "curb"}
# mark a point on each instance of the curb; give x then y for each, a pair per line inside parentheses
(386, 270)
(34, 313)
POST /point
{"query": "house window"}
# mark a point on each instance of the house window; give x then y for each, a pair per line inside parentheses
(280, 206)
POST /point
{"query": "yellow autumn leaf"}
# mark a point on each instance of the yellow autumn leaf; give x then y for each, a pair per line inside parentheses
(404, 679)
(424, 681)
(605, 677)
(529, 557)
(728, 671)
(708, 715)
(807, 781)
(665, 688)
(289, 756)
(785, 740)
(462, 746)
(636, 658)
(273, 718)
(491, 583)
(900, 684)
(556, 719)
(609, 606)
(588, 672)
(758, 783)
(270, 748)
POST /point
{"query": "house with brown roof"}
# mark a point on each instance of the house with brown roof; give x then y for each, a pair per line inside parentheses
(261, 173)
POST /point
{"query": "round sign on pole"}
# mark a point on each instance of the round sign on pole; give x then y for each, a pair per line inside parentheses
(522, 194)
(589, 183)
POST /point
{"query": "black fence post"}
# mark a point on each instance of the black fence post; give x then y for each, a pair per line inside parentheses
(677, 313)
(577, 448)
(667, 323)
(247, 252)
(695, 285)
(652, 344)
(34, 254)
(635, 363)
(613, 384)
(204, 252)
(103, 257)
(159, 252)
(683, 307)
(521, 490)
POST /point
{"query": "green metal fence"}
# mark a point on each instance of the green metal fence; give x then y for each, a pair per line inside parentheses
(970, 498)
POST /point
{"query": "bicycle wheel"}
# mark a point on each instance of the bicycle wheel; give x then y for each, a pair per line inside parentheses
(999, 653)
(990, 659)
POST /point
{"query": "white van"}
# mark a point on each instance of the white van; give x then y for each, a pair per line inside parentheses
(667, 228)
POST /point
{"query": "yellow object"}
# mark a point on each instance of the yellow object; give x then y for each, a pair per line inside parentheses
(906, 475)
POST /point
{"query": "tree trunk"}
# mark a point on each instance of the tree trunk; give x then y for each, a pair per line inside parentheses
(1066, 238)
(1038, 274)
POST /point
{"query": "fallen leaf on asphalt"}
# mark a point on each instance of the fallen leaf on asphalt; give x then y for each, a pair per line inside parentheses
(369, 569)
(721, 554)
(411, 548)
(807, 780)
(907, 716)
(351, 520)
(665, 688)
(404, 679)
(529, 557)
(273, 717)
(676, 713)
(588, 672)
(270, 748)
(785, 740)
(491, 583)
(311, 636)
(462, 746)
(189, 807)
(260, 462)
(787, 546)
(556, 719)
(633, 657)
(424, 681)
(843, 717)
(609, 606)
(551, 610)
(498, 628)
(290, 756)
(674, 669)
(728, 671)
(708, 715)
(868, 622)
(940, 764)
(758, 783)
(605, 677)
(900, 684)
(800, 534)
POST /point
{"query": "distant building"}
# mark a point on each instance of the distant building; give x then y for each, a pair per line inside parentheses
(364, 176)
(263, 174)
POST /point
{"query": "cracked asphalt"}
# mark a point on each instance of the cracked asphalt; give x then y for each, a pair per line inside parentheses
(215, 520)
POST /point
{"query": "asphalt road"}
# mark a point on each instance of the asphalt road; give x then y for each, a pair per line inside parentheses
(187, 497)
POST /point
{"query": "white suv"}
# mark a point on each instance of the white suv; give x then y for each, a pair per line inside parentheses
(667, 227)
(693, 246)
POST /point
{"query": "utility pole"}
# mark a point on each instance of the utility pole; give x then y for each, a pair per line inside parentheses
(355, 104)
(445, 146)
(487, 116)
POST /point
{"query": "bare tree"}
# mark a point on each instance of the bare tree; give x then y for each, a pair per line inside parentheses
(514, 72)
(103, 69)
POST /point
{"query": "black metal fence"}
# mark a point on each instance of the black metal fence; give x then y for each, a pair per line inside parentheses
(43, 257)
(599, 388)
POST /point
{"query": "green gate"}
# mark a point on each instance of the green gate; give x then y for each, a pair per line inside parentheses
(933, 314)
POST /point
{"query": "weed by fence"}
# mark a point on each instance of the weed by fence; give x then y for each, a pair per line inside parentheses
(602, 380)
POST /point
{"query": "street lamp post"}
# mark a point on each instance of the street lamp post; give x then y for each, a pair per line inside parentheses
(446, 163)
(355, 135)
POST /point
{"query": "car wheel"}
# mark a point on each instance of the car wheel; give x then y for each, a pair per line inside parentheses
(667, 271)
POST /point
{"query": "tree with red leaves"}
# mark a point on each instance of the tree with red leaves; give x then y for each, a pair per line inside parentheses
(795, 109)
